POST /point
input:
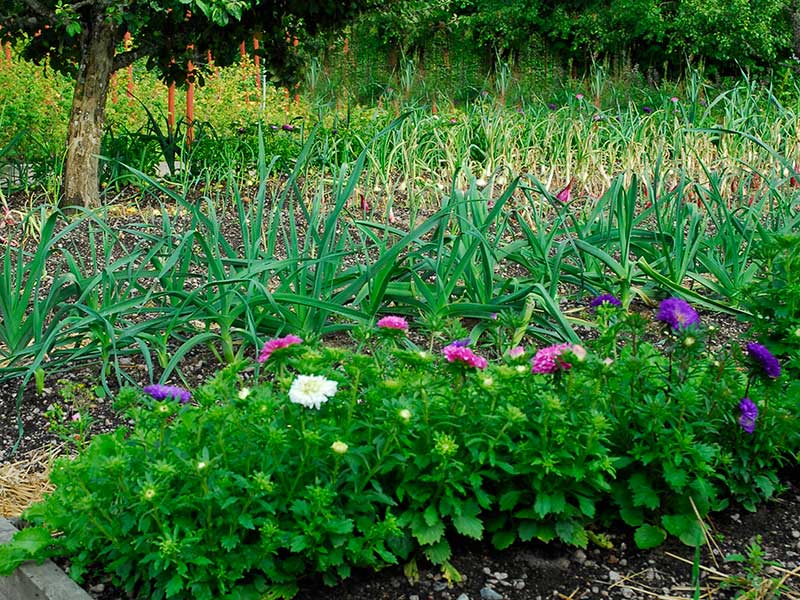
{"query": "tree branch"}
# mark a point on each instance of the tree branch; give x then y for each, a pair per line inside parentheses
(128, 58)
(40, 10)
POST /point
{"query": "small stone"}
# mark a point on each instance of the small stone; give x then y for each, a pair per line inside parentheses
(627, 592)
(487, 570)
(562, 563)
(612, 560)
(579, 556)
(795, 534)
(413, 597)
(518, 584)
(595, 589)
(614, 576)
(438, 586)
(501, 575)
(623, 562)
(463, 597)
(488, 593)
(98, 589)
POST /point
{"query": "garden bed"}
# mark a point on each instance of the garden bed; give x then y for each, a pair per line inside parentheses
(609, 566)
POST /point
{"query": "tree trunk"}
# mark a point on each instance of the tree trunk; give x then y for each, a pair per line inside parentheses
(88, 114)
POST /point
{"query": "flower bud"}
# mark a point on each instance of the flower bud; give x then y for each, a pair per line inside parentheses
(405, 414)
(339, 447)
(244, 393)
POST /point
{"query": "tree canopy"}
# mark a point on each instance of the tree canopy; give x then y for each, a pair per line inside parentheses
(84, 38)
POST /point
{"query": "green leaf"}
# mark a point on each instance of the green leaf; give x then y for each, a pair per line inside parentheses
(632, 516)
(586, 505)
(765, 485)
(544, 532)
(246, 521)
(509, 500)
(11, 557)
(431, 515)
(684, 527)
(649, 536)
(174, 585)
(469, 526)
(428, 534)
(549, 503)
(32, 540)
(503, 539)
(281, 591)
(341, 526)
(572, 533)
(674, 476)
(229, 542)
(439, 552)
(643, 492)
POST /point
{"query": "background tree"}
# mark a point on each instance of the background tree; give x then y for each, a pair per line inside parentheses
(83, 38)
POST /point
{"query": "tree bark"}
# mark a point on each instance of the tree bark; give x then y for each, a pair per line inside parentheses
(88, 114)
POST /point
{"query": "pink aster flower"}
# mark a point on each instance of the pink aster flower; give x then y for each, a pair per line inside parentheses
(464, 355)
(516, 352)
(548, 360)
(393, 322)
(277, 344)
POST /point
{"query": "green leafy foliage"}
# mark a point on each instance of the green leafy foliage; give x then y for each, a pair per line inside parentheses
(249, 487)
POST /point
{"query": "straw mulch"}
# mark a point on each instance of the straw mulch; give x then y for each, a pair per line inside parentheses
(25, 481)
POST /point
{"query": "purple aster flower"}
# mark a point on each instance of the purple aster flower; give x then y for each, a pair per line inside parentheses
(552, 106)
(393, 322)
(277, 344)
(462, 343)
(464, 355)
(677, 313)
(548, 360)
(604, 299)
(749, 414)
(647, 110)
(164, 392)
(760, 354)
(287, 127)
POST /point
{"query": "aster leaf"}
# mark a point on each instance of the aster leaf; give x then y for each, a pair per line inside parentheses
(643, 492)
(503, 539)
(649, 536)
(469, 526)
(439, 552)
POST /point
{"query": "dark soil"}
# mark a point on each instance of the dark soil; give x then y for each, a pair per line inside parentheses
(526, 571)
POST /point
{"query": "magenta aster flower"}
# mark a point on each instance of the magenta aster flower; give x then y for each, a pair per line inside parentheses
(393, 322)
(749, 413)
(760, 354)
(604, 299)
(462, 354)
(158, 391)
(677, 313)
(548, 360)
(276, 344)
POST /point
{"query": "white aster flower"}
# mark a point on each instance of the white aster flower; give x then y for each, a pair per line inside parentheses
(244, 393)
(311, 390)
